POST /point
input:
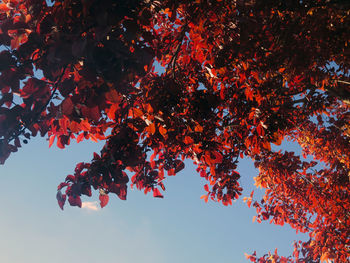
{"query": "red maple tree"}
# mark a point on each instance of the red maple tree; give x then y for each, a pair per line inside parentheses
(239, 76)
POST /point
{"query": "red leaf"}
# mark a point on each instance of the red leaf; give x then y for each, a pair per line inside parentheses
(61, 185)
(265, 215)
(119, 189)
(67, 106)
(95, 113)
(188, 140)
(122, 194)
(74, 200)
(218, 157)
(114, 188)
(80, 137)
(61, 199)
(171, 172)
(104, 198)
(96, 156)
(179, 166)
(113, 96)
(266, 145)
(60, 143)
(156, 193)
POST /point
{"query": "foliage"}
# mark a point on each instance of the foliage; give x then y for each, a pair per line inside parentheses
(239, 76)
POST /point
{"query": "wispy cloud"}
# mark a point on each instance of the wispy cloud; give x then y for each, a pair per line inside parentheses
(92, 206)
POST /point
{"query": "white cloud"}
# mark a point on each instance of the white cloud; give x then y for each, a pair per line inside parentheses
(92, 206)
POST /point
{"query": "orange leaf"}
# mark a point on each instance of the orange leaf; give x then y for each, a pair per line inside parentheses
(137, 112)
(260, 130)
(80, 137)
(4, 8)
(63, 123)
(152, 128)
(93, 138)
(198, 128)
(112, 110)
(277, 138)
(85, 125)
(250, 257)
(74, 127)
(324, 257)
(188, 140)
(51, 140)
(162, 130)
(248, 93)
(249, 202)
(266, 145)
(59, 142)
(17, 40)
(205, 197)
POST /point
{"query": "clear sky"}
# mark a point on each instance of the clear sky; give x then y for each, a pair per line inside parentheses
(179, 228)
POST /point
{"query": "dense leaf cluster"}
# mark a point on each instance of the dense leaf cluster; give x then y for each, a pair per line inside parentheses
(239, 76)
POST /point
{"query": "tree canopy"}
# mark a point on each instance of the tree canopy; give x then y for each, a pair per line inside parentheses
(239, 76)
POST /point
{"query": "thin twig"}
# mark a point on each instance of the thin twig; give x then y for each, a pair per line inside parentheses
(342, 81)
(172, 63)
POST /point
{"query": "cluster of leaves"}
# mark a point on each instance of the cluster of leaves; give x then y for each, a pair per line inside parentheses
(239, 76)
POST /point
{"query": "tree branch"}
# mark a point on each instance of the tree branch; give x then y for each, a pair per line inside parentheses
(172, 63)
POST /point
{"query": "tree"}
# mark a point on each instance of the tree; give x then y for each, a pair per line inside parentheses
(239, 76)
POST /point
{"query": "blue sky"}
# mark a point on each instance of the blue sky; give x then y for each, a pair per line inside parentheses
(179, 228)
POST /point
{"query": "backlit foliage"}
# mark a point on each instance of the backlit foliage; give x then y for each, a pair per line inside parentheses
(240, 76)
